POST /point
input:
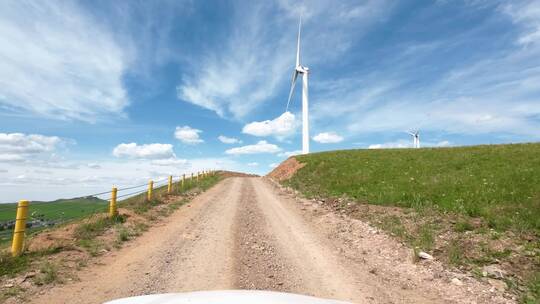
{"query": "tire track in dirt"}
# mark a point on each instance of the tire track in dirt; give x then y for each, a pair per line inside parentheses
(258, 263)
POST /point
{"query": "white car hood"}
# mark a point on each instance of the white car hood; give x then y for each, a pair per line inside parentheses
(225, 297)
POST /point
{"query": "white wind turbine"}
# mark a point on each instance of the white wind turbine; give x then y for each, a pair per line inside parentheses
(299, 69)
(416, 138)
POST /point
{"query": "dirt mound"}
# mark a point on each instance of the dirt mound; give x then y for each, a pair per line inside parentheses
(57, 237)
(63, 236)
(286, 169)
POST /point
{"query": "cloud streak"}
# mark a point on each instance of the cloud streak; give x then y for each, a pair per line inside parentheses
(59, 63)
(258, 57)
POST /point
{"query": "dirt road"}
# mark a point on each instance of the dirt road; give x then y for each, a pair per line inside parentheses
(246, 234)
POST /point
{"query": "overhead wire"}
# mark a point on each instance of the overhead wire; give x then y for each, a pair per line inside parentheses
(156, 184)
(131, 194)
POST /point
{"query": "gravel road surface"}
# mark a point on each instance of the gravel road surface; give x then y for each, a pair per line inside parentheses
(246, 233)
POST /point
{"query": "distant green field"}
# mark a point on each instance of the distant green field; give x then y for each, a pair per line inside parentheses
(59, 210)
(500, 183)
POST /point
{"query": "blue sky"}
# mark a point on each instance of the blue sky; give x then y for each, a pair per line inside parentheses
(96, 93)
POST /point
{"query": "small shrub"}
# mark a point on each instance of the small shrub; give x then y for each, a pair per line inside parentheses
(455, 253)
(92, 246)
(10, 266)
(123, 234)
(425, 238)
(10, 292)
(95, 227)
(394, 225)
(48, 273)
(533, 294)
(463, 225)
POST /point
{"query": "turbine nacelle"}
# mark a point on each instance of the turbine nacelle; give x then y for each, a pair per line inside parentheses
(302, 69)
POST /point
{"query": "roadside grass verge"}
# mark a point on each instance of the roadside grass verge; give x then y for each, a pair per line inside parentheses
(469, 206)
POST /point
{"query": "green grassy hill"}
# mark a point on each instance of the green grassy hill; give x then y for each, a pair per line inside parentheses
(499, 183)
(468, 206)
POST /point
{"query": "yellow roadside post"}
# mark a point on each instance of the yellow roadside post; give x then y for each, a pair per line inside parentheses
(112, 204)
(150, 188)
(169, 187)
(20, 228)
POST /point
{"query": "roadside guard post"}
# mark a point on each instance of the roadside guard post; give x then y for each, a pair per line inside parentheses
(20, 228)
(150, 188)
(169, 187)
(112, 205)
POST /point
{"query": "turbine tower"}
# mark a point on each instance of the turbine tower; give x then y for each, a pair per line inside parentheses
(304, 71)
(416, 138)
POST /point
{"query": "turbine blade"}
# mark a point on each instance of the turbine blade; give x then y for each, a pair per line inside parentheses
(298, 43)
(293, 83)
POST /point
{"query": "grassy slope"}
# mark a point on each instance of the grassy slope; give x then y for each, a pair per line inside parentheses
(500, 184)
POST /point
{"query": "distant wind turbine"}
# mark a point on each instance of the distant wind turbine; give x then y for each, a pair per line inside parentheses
(299, 69)
(416, 138)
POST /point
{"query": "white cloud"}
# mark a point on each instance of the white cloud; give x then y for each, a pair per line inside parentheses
(392, 145)
(254, 164)
(280, 127)
(16, 147)
(27, 144)
(11, 158)
(147, 151)
(260, 147)
(290, 153)
(328, 138)
(527, 14)
(273, 165)
(171, 162)
(229, 140)
(444, 143)
(94, 166)
(58, 62)
(188, 135)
